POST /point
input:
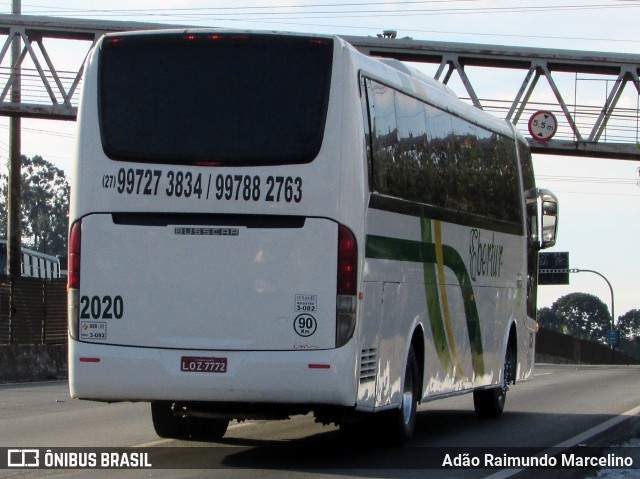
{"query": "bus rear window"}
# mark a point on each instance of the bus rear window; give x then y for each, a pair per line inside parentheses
(214, 99)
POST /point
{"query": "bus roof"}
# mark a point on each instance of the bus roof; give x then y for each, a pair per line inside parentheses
(389, 71)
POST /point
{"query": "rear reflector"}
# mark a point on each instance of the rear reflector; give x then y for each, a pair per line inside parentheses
(89, 360)
(319, 366)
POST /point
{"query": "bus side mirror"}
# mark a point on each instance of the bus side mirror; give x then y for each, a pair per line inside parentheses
(549, 218)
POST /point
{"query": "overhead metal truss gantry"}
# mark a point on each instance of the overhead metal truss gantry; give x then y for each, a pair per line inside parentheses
(595, 96)
(595, 125)
(48, 90)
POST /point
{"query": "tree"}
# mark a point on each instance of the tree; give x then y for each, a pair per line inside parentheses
(629, 324)
(581, 315)
(45, 206)
(547, 319)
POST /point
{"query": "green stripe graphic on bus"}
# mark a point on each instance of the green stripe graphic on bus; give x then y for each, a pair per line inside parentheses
(433, 305)
(382, 247)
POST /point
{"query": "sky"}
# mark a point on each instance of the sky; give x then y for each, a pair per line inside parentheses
(599, 199)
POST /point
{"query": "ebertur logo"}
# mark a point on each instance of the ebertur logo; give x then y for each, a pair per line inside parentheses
(485, 256)
(23, 458)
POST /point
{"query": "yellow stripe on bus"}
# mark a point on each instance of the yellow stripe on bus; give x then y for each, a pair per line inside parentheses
(444, 299)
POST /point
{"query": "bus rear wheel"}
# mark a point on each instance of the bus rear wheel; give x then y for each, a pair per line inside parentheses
(401, 422)
(171, 425)
(489, 403)
(165, 422)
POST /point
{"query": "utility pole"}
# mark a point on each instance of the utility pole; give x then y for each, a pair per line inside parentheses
(15, 164)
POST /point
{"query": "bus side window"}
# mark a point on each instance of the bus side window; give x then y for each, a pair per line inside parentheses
(387, 174)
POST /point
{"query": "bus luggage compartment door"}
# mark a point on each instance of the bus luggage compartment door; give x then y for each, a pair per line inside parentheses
(260, 283)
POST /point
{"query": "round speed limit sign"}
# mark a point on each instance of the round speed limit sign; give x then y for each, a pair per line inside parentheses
(543, 125)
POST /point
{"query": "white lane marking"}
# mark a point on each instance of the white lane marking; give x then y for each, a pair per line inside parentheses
(574, 441)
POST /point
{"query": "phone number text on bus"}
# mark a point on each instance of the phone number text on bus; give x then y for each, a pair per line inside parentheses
(185, 184)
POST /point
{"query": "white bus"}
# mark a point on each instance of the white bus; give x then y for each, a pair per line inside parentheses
(274, 224)
(33, 264)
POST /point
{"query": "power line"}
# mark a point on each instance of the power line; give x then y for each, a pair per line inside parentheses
(237, 14)
(277, 9)
(588, 179)
(206, 12)
(253, 7)
(43, 132)
(596, 193)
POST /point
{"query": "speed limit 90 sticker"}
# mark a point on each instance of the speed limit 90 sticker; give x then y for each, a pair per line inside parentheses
(217, 187)
(305, 325)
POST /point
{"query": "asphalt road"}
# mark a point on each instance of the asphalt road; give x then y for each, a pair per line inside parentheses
(561, 406)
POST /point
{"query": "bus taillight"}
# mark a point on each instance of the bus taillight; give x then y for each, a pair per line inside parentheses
(347, 285)
(73, 284)
(74, 255)
(347, 262)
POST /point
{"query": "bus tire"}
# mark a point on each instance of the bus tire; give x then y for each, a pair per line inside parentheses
(402, 421)
(489, 403)
(205, 429)
(165, 422)
(168, 425)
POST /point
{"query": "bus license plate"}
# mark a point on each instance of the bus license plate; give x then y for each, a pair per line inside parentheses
(199, 364)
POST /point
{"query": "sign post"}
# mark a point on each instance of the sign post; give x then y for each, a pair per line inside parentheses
(553, 268)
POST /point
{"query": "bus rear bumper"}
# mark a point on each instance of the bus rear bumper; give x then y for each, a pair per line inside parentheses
(119, 373)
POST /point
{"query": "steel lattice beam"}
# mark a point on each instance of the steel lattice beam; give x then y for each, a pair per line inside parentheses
(54, 92)
(58, 98)
(538, 63)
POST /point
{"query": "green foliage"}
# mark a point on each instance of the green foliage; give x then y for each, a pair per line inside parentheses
(581, 315)
(629, 324)
(45, 206)
(586, 317)
(547, 319)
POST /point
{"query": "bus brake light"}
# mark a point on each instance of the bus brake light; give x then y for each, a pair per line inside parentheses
(347, 262)
(74, 255)
(347, 285)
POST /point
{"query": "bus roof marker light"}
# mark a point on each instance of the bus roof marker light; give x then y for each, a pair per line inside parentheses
(318, 41)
